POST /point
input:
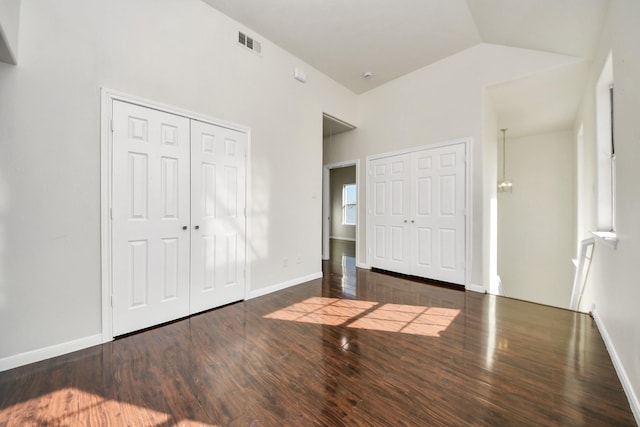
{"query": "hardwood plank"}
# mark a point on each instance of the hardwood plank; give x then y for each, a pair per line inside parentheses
(318, 354)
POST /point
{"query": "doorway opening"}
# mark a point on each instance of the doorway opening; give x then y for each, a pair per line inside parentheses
(340, 194)
(343, 212)
(341, 200)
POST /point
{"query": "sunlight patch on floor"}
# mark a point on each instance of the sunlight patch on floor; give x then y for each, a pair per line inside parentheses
(325, 311)
(408, 319)
(71, 406)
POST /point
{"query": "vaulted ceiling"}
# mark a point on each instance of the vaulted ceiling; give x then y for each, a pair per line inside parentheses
(346, 38)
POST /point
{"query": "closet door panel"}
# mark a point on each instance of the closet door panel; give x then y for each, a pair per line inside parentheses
(390, 213)
(218, 189)
(150, 208)
(438, 212)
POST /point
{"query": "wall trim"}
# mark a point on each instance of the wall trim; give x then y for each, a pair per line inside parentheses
(44, 353)
(363, 265)
(475, 288)
(409, 150)
(617, 364)
(348, 239)
(284, 285)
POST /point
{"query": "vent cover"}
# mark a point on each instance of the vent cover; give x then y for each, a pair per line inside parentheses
(248, 42)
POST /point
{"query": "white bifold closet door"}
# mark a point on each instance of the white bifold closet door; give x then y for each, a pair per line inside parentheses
(218, 159)
(418, 213)
(150, 210)
(178, 216)
(390, 215)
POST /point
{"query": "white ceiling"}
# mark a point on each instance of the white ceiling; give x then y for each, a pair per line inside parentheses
(390, 38)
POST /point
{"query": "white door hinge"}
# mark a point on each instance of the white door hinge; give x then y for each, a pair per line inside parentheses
(111, 213)
(111, 300)
(112, 126)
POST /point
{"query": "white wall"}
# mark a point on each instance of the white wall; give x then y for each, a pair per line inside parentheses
(536, 221)
(613, 280)
(340, 177)
(490, 197)
(441, 102)
(9, 24)
(183, 54)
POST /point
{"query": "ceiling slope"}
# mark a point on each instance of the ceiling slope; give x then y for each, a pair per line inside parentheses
(344, 39)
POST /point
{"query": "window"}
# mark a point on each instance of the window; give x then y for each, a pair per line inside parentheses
(606, 158)
(349, 207)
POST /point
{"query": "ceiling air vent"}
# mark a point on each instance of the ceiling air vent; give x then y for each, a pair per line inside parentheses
(249, 43)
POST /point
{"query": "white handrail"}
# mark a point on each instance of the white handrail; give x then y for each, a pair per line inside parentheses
(578, 280)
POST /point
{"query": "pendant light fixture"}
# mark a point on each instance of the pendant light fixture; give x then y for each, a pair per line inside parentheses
(504, 186)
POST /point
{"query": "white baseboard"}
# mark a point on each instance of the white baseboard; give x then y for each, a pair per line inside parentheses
(622, 374)
(348, 239)
(284, 285)
(475, 288)
(49, 352)
(363, 265)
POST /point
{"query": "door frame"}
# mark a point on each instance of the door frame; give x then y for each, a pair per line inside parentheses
(467, 142)
(326, 203)
(106, 152)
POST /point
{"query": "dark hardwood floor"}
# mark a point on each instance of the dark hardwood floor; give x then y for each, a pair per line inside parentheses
(356, 349)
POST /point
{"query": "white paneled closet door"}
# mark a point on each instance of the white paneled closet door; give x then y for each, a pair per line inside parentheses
(150, 217)
(218, 162)
(391, 179)
(438, 213)
(417, 213)
(178, 216)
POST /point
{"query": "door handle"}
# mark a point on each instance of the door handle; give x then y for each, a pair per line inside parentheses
(197, 227)
(412, 221)
(184, 227)
(405, 221)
